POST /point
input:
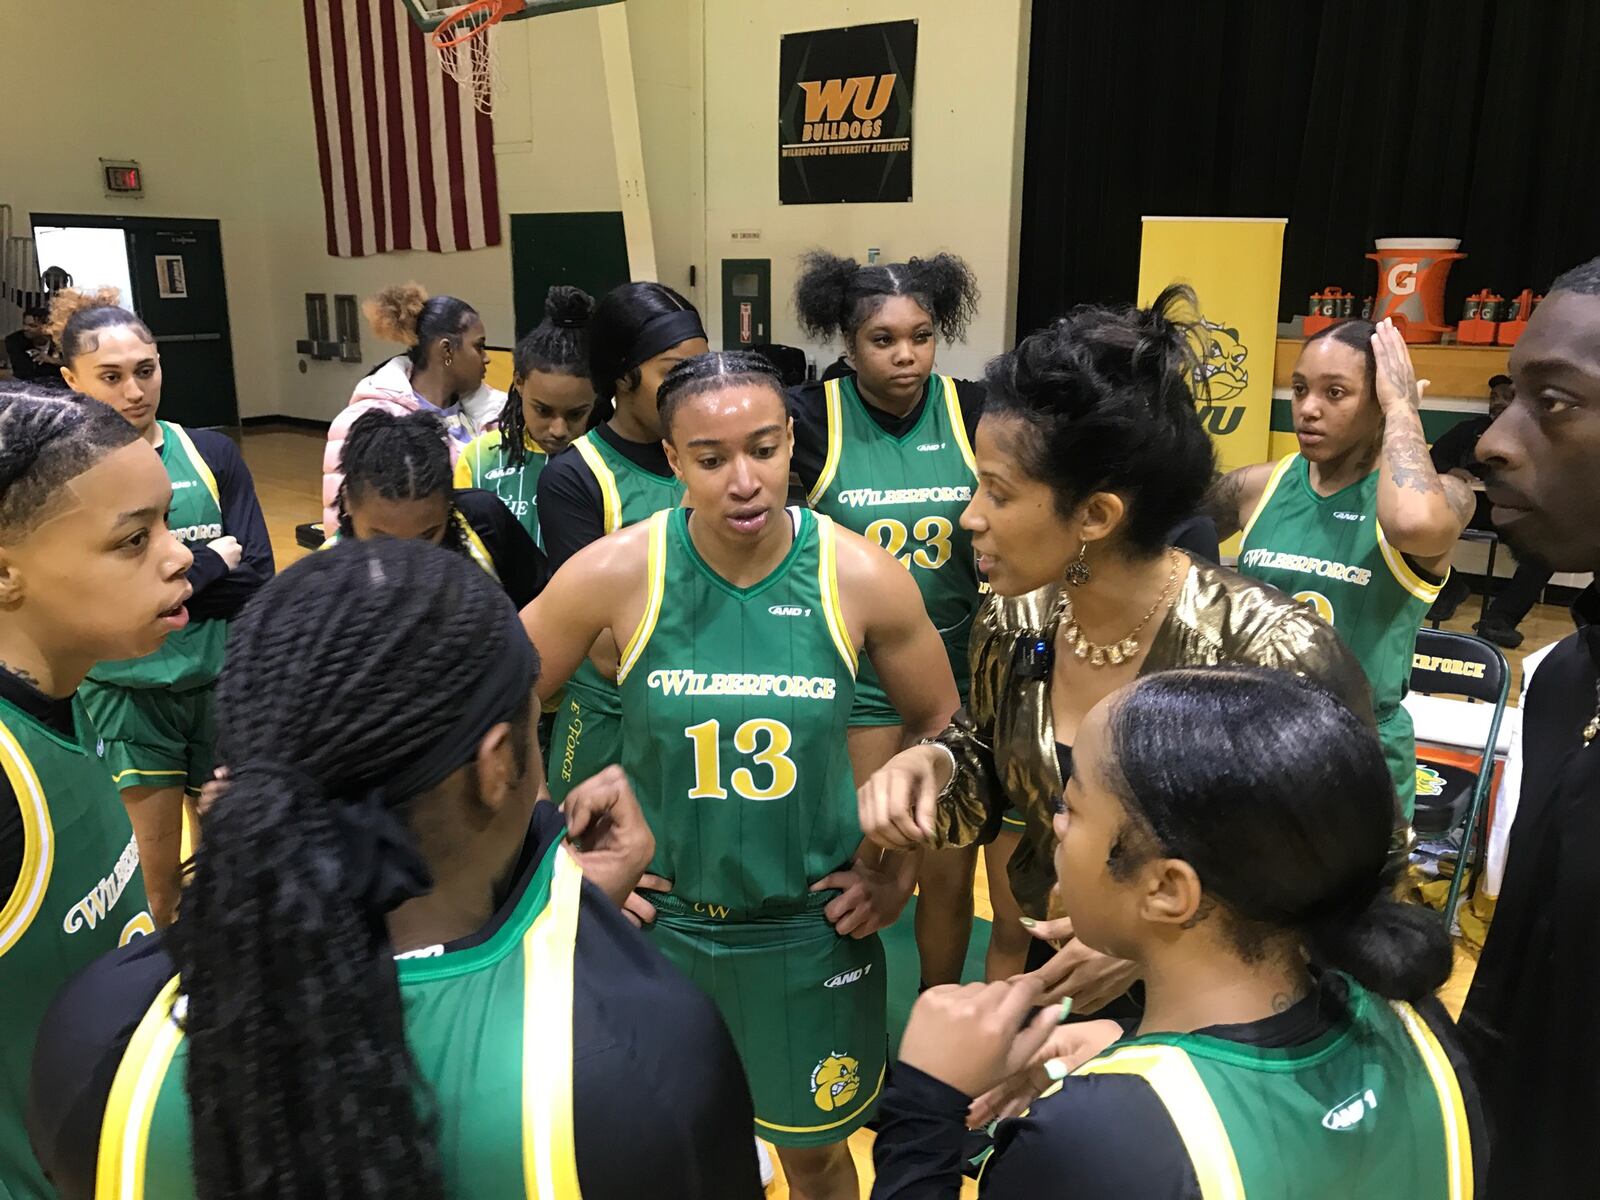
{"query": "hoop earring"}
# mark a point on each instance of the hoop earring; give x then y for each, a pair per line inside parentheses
(1077, 573)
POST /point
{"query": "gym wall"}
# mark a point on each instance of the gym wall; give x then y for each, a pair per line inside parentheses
(213, 100)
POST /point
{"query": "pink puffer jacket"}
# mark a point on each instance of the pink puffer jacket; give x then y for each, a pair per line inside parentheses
(388, 389)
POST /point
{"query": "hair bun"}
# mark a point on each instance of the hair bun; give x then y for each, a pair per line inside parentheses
(568, 307)
(395, 312)
(66, 303)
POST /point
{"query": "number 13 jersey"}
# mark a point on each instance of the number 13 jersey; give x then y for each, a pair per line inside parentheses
(735, 703)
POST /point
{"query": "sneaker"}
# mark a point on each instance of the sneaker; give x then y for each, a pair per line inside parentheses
(1498, 632)
(764, 1162)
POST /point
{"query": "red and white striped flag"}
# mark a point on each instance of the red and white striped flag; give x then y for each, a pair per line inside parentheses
(407, 160)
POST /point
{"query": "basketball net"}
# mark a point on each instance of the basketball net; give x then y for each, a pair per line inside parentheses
(466, 47)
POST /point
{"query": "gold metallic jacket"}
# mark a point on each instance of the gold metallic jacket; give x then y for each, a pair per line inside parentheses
(1004, 740)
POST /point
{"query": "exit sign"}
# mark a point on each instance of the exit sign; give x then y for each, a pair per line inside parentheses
(123, 177)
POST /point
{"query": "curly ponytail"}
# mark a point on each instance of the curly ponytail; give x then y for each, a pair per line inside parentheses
(345, 669)
(835, 295)
(406, 314)
(76, 317)
(1280, 799)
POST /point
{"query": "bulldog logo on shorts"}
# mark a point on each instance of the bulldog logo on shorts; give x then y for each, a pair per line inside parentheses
(835, 1082)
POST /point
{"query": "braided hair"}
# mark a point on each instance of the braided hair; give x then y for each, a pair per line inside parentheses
(839, 295)
(711, 373)
(299, 1077)
(47, 438)
(399, 457)
(558, 345)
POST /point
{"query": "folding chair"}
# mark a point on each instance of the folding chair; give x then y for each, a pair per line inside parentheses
(1458, 664)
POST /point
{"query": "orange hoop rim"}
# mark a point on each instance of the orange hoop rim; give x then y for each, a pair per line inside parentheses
(492, 13)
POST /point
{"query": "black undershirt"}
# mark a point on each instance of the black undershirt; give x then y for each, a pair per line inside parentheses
(517, 559)
(571, 509)
(53, 714)
(1101, 1137)
(641, 1032)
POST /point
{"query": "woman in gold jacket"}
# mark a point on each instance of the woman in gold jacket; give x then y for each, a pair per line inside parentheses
(1088, 453)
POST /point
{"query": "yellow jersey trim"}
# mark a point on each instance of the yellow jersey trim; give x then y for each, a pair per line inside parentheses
(1457, 1135)
(38, 843)
(830, 464)
(549, 1154)
(656, 574)
(1172, 1076)
(958, 428)
(1266, 493)
(610, 498)
(475, 547)
(199, 464)
(125, 1128)
(1404, 574)
(828, 588)
(854, 1113)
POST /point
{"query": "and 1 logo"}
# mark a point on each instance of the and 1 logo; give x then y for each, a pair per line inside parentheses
(1429, 781)
(835, 1082)
(844, 978)
(1348, 1113)
(1317, 603)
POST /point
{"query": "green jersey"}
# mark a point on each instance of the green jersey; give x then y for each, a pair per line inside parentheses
(628, 494)
(192, 656)
(1372, 1108)
(490, 1027)
(907, 494)
(1330, 553)
(735, 706)
(485, 463)
(79, 894)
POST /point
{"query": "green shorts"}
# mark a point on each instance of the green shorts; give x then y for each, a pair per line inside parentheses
(586, 739)
(1399, 742)
(872, 707)
(805, 1007)
(154, 737)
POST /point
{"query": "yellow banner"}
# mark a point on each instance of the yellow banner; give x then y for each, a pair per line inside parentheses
(1233, 264)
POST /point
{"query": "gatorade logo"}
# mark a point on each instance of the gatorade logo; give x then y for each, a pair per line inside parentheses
(1402, 278)
(1348, 1114)
(1317, 603)
(845, 978)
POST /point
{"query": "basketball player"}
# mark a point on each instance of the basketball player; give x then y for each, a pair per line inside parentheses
(391, 974)
(742, 624)
(155, 712)
(396, 483)
(886, 451)
(548, 405)
(616, 476)
(1358, 524)
(88, 571)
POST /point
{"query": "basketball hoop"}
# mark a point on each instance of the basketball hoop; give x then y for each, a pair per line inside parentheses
(466, 51)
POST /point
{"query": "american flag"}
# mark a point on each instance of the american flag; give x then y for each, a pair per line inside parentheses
(407, 160)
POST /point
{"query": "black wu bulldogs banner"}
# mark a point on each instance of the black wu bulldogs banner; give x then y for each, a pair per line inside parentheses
(844, 113)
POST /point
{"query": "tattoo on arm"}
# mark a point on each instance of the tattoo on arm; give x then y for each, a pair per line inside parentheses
(1460, 496)
(1405, 453)
(20, 674)
(1222, 503)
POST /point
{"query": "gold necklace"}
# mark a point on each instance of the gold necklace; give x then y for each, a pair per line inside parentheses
(1118, 652)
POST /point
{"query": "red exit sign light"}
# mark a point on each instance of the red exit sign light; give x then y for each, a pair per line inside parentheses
(122, 178)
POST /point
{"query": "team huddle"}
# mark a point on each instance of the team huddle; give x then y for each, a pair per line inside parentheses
(578, 772)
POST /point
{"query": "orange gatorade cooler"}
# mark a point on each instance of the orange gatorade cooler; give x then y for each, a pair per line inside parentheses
(1411, 275)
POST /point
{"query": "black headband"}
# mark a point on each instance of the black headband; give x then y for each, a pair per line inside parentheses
(662, 333)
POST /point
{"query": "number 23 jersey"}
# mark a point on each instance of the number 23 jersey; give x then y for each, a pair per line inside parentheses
(735, 703)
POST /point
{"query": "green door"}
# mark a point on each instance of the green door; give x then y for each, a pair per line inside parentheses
(584, 249)
(746, 302)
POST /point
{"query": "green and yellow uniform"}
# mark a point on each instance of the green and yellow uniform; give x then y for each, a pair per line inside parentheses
(485, 463)
(79, 893)
(490, 1028)
(1372, 1108)
(907, 494)
(588, 731)
(155, 712)
(735, 703)
(1329, 552)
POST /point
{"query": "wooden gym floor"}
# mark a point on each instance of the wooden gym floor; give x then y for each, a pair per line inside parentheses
(287, 466)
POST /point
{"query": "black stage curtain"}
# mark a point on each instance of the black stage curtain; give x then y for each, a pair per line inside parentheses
(1355, 119)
